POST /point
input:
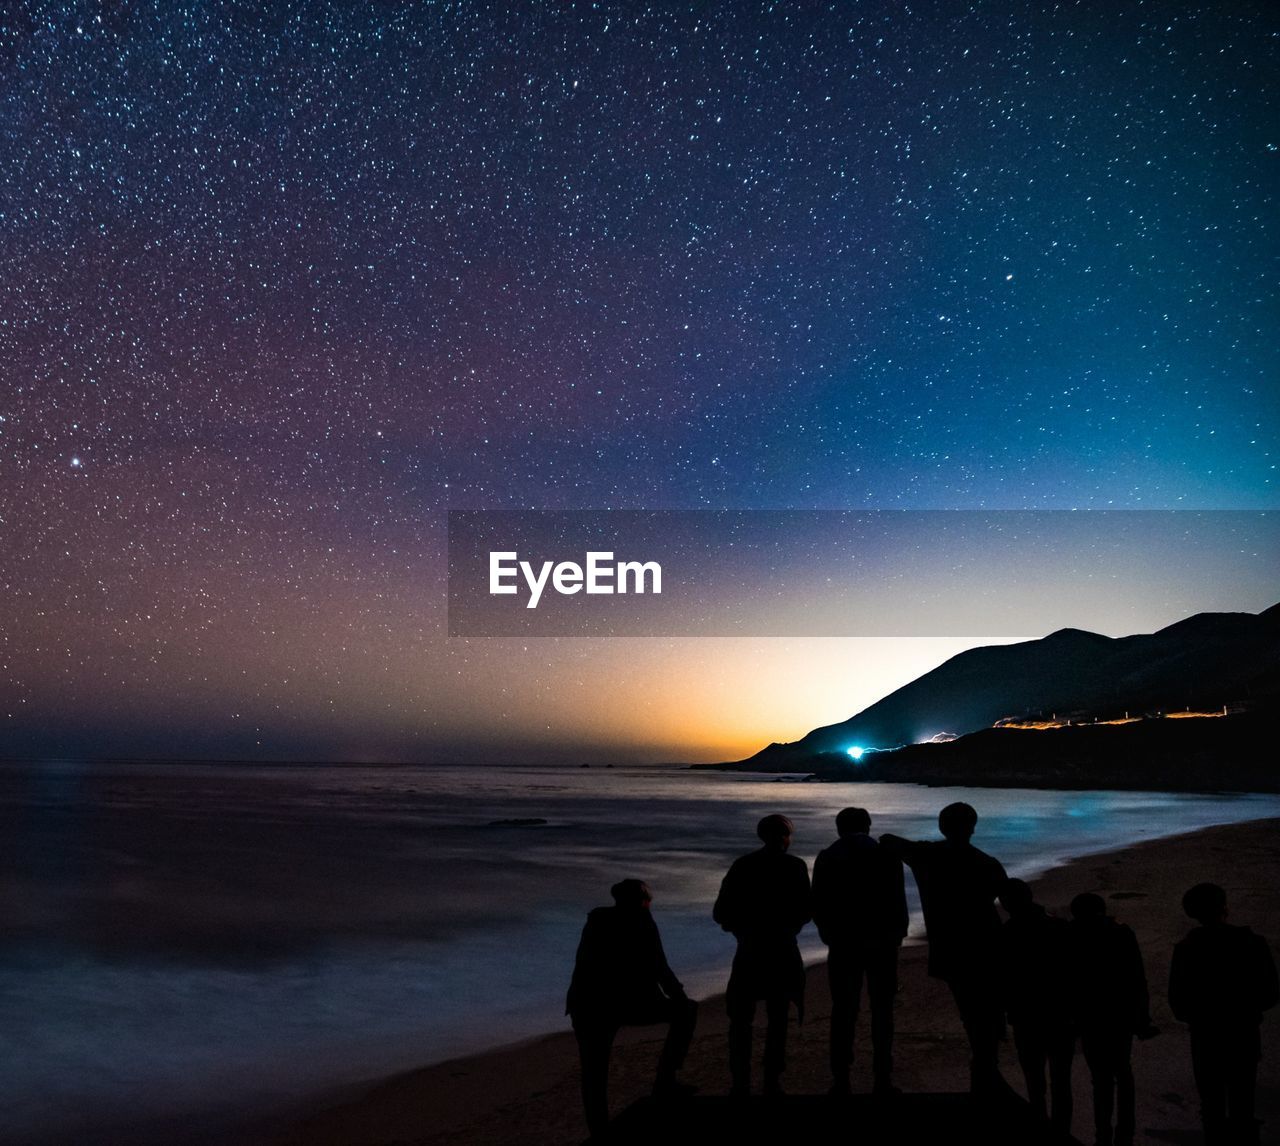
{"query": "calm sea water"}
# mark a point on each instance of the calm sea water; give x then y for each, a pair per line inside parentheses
(219, 939)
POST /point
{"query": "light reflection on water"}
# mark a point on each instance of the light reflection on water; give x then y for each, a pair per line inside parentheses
(257, 931)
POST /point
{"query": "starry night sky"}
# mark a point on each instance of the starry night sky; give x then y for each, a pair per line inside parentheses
(283, 282)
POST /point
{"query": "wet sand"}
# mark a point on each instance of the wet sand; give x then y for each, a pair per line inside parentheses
(528, 1093)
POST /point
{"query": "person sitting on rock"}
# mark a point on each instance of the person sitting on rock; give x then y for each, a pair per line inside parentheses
(621, 978)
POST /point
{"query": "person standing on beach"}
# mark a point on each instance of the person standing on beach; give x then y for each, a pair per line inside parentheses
(1035, 969)
(958, 888)
(621, 978)
(860, 908)
(765, 901)
(1111, 1007)
(1221, 980)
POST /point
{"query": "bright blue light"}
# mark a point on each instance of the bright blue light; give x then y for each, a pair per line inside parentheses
(856, 751)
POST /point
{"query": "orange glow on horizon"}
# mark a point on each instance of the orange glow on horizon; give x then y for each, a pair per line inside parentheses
(722, 699)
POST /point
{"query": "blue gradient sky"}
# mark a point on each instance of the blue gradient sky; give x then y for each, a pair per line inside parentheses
(284, 283)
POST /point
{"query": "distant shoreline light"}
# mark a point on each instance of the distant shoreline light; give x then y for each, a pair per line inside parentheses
(856, 751)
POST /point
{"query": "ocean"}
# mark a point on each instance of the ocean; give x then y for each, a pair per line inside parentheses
(207, 942)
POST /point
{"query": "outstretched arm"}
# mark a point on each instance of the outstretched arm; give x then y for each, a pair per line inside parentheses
(586, 967)
(801, 897)
(897, 883)
(821, 896)
(1267, 983)
(1139, 999)
(1180, 986)
(671, 986)
(727, 910)
(900, 849)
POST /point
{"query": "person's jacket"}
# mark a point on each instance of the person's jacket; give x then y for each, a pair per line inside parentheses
(765, 898)
(765, 901)
(621, 970)
(1222, 975)
(1109, 982)
(858, 893)
(958, 888)
(1035, 968)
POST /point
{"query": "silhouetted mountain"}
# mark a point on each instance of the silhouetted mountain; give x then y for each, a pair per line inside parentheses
(1205, 661)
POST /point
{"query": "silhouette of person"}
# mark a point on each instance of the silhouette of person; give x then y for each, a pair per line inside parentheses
(860, 908)
(1035, 968)
(1111, 1006)
(1221, 980)
(764, 901)
(621, 978)
(958, 888)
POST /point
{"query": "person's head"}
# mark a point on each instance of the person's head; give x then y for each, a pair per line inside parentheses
(1016, 897)
(957, 821)
(1206, 903)
(1088, 905)
(853, 821)
(775, 831)
(631, 893)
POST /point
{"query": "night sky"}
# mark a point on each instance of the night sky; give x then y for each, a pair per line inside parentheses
(283, 282)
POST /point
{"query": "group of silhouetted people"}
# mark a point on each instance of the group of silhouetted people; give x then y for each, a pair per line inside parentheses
(1054, 981)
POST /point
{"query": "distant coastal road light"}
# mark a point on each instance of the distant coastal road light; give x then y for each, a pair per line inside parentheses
(856, 751)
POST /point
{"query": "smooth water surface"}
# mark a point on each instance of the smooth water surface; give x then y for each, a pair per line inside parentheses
(224, 937)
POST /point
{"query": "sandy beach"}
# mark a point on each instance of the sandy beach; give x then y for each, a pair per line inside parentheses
(528, 1093)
